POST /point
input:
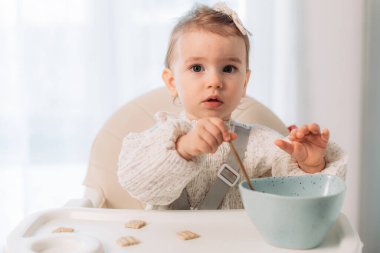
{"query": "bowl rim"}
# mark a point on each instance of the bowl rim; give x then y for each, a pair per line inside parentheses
(246, 188)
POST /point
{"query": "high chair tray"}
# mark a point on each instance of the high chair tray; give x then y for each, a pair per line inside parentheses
(97, 230)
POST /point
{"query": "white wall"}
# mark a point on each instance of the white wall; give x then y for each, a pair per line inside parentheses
(369, 204)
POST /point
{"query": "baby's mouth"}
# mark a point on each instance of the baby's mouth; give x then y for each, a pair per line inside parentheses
(212, 102)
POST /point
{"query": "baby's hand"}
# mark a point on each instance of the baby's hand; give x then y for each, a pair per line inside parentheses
(205, 137)
(308, 146)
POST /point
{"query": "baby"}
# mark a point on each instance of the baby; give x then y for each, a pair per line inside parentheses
(178, 160)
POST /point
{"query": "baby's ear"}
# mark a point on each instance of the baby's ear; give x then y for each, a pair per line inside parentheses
(247, 76)
(168, 78)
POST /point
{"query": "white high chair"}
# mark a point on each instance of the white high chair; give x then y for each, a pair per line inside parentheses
(96, 229)
(102, 186)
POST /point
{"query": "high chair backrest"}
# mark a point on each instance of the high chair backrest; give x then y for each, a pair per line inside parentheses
(136, 116)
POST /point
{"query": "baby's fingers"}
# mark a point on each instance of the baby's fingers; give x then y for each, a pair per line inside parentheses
(222, 128)
(286, 146)
(314, 128)
(325, 135)
(306, 129)
(233, 136)
(297, 134)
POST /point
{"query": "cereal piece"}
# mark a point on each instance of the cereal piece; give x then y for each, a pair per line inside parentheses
(136, 224)
(187, 235)
(126, 241)
(63, 230)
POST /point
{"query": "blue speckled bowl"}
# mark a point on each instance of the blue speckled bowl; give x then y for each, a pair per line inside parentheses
(294, 212)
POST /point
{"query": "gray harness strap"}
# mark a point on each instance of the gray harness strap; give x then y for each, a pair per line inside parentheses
(227, 176)
(182, 203)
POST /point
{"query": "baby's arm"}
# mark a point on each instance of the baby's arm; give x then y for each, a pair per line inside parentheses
(335, 158)
(150, 168)
(265, 156)
(311, 149)
(308, 146)
(206, 137)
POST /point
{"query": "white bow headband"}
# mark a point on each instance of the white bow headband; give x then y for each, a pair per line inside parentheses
(223, 8)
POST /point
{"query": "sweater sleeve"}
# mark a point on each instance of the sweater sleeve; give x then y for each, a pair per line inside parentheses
(150, 168)
(268, 157)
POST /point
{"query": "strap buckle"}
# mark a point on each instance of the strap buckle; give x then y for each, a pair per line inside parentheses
(228, 175)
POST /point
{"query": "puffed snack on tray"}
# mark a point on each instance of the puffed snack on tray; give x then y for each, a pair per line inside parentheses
(63, 230)
(187, 235)
(136, 224)
(126, 241)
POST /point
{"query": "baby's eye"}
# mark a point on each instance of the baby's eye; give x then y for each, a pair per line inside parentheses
(197, 68)
(229, 69)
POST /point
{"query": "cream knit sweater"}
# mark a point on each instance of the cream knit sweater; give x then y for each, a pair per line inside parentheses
(152, 171)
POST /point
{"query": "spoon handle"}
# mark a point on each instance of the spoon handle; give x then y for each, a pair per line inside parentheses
(241, 165)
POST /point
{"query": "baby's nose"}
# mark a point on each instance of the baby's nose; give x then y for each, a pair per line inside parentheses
(215, 81)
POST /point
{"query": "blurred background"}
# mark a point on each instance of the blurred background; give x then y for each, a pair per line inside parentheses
(67, 65)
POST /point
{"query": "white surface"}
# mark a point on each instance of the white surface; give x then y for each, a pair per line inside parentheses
(224, 231)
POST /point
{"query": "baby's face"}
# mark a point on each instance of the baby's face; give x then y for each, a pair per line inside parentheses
(209, 73)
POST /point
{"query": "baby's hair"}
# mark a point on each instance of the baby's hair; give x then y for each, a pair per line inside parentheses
(204, 18)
